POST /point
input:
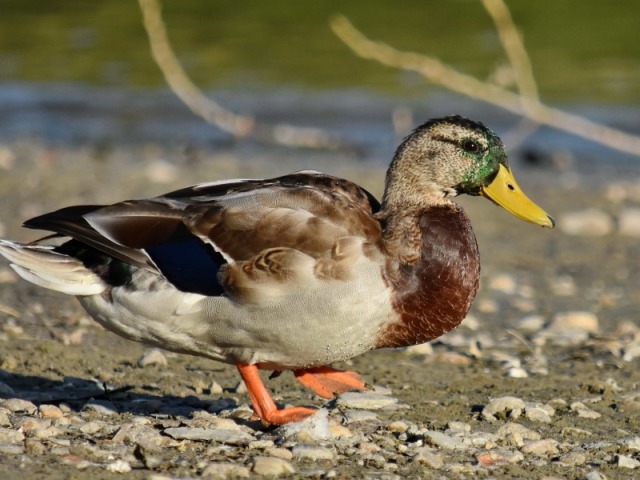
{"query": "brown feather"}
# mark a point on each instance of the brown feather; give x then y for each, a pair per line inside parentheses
(433, 293)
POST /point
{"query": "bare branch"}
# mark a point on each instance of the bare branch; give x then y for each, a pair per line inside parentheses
(513, 46)
(437, 72)
(211, 111)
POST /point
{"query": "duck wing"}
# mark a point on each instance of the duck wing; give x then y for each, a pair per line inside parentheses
(188, 235)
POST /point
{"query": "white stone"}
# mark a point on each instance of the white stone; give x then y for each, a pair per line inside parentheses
(541, 447)
(119, 466)
(224, 471)
(19, 405)
(627, 462)
(365, 400)
(504, 283)
(564, 286)
(231, 437)
(629, 222)
(539, 413)
(587, 223)
(517, 372)
(429, 457)
(272, 467)
(313, 453)
(498, 457)
(444, 441)
(312, 429)
(101, 407)
(161, 171)
(531, 323)
(153, 356)
(583, 411)
(633, 443)
(578, 320)
(511, 407)
(631, 352)
(8, 435)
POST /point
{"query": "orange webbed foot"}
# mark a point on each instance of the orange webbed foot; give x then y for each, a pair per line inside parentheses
(263, 405)
(328, 382)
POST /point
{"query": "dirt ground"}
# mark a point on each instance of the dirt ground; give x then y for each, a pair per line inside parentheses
(530, 276)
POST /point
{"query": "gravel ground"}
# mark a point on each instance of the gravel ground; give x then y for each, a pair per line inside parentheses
(539, 382)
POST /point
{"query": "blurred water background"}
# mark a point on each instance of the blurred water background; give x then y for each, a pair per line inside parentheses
(74, 72)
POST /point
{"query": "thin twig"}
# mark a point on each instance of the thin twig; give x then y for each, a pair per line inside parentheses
(513, 46)
(520, 63)
(238, 125)
(437, 72)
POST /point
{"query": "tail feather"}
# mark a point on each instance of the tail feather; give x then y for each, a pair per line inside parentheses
(43, 266)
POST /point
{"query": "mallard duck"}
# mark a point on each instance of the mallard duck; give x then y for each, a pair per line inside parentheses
(289, 273)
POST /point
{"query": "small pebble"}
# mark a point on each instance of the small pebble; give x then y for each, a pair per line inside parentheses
(272, 467)
(162, 172)
(260, 444)
(119, 466)
(625, 461)
(540, 447)
(90, 428)
(8, 435)
(516, 433)
(215, 388)
(50, 411)
(100, 407)
(508, 407)
(398, 427)
(225, 471)
(11, 449)
(365, 400)
(30, 424)
(230, 437)
(632, 443)
(444, 441)
(19, 405)
(153, 356)
(279, 453)
(531, 323)
(586, 223)
(429, 457)
(595, 475)
(631, 352)
(564, 286)
(313, 453)
(629, 222)
(517, 372)
(579, 320)
(572, 459)
(498, 457)
(539, 413)
(313, 429)
(339, 431)
(360, 416)
(583, 411)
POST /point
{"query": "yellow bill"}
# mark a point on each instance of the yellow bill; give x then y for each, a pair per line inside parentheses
(504, 191)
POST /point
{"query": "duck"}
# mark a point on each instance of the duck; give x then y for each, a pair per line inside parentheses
(292, 273)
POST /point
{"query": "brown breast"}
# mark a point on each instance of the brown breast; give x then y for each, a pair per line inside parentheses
(435, 291)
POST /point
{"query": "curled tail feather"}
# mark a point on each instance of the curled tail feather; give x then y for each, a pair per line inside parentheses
(43, 266)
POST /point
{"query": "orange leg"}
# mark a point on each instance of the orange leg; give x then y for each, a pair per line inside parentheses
(328, 382)
(263, 404)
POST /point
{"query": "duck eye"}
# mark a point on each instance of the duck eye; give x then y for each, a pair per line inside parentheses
(471, 146)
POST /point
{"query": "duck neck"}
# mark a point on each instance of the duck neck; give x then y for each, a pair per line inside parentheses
(433, 269)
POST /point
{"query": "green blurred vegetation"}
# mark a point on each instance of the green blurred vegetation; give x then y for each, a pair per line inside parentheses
(582, 51)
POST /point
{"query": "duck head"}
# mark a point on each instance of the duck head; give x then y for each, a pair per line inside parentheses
(450, 156)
